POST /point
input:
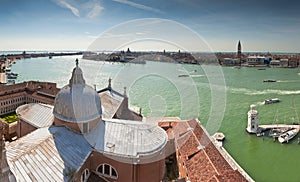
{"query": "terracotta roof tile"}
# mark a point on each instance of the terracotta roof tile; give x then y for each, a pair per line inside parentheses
(199, 156)
(231, 175)
(214, 155)
(199, 167)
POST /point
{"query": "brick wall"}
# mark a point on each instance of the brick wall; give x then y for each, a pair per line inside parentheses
(150, 172)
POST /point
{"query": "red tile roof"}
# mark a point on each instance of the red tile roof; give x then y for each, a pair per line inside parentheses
(199, 157)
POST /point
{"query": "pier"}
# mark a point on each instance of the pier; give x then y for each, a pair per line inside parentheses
(279, 126)
(284, 132)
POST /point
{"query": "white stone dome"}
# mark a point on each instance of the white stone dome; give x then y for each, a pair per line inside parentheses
(77, 102)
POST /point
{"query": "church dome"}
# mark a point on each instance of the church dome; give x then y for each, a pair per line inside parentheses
(77, 102)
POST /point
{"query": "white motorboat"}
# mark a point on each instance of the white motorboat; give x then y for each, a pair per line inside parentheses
(285, 137)
(271, 101)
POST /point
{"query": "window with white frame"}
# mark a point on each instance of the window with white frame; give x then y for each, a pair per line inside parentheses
(85, 175)
(107, 171)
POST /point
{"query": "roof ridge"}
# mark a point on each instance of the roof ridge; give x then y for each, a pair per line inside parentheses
(194, 133)
(215, 177)
(211, 163)
(201, 145)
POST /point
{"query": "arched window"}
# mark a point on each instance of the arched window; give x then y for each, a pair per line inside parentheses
(85, 175)
(107, 170)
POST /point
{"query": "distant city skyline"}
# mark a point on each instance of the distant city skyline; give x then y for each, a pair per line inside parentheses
(262, 26)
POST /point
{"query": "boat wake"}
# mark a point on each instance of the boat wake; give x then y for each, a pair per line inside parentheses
(195, 76)
(287, 81)
(263, 92)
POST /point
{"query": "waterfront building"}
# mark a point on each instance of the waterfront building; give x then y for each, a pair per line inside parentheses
(230, 61)
(78, 139)
(13, 96)
(275, 63)
(293, 63)
(255, 60)
(252, 125)
(284, 63)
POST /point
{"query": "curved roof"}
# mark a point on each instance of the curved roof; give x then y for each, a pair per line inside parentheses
(77, 102)
(36, 114)
(127, 138)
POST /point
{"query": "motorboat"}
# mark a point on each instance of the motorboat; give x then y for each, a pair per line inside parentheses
(271, 101)
(183, 75)
(12, 75)
(270, 80)
(285, 137)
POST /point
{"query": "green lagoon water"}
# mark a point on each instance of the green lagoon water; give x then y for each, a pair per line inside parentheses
(157, 89)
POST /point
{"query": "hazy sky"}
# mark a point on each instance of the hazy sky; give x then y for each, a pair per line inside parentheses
(261, 25)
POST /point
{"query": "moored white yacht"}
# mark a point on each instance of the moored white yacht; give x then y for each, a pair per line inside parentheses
(285, 137)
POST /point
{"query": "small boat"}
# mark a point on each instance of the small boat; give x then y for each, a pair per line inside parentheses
(285, 137)
(10, 82)
(270, 81)
(8, 69)
(271, 101)
(260, 134)
(261, 69)
(183, 75)
(276, 132)
(12, 75)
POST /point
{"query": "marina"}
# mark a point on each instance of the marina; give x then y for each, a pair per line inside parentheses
(283, 132)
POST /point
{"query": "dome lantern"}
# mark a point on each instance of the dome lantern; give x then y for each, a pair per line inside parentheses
(77, 76)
